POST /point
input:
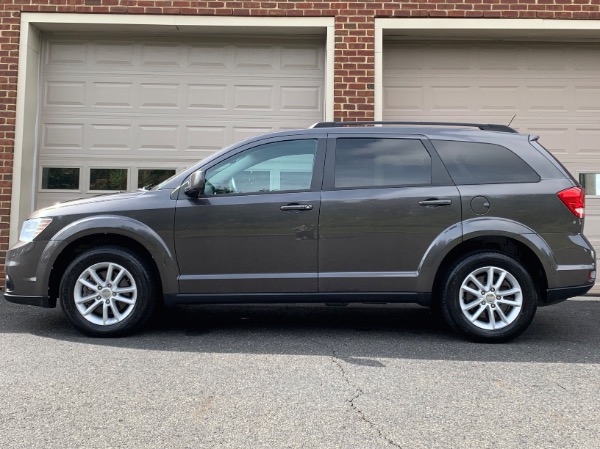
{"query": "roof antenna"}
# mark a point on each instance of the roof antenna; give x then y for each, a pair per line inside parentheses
(511, 120)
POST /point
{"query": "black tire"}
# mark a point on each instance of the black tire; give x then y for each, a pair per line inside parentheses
(135, 285)
(501, 318)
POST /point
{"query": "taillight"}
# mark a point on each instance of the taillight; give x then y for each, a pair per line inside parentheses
(574, 199)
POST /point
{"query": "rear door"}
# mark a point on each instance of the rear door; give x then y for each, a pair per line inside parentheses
(384, 201)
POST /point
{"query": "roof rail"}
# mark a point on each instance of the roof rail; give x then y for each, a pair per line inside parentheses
(482, 126)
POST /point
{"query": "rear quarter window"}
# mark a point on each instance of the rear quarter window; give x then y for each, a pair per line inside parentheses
(483, 163)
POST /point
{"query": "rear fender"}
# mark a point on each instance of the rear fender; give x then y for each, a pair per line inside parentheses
(451, 237)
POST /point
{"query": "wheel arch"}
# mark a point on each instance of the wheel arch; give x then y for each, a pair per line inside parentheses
(512, 246)
(484, 234)
(111, 230)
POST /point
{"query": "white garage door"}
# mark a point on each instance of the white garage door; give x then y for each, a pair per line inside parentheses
(552, 89)
(118, 113)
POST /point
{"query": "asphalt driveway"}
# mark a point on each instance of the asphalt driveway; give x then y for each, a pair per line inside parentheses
(299, 377)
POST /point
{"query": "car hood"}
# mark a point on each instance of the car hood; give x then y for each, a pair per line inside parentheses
(83, 202)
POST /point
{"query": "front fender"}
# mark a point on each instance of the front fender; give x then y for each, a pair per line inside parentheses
(452, 237)
(114, 224)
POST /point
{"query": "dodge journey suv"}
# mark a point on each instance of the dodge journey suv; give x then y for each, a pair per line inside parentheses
(476, 221)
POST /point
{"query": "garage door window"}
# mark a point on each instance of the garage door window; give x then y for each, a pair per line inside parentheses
(60, 178)
(381, 162)
(108, 179)
(591, 183)
(151, 177)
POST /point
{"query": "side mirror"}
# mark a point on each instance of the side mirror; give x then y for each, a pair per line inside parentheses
(195, 184)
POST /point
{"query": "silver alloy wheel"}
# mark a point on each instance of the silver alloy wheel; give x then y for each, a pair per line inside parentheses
(491, 298)
(105, 293)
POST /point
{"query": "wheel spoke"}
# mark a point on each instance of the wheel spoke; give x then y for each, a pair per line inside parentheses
(115, 311)
(502, 315)
(470, 305)
(109, 272)
(476, 314)
(87, 284)
(91, 308)
(97, 279)
(120, 298)
(86, 298)
(500, 280)
(476, 282)
(509, 292)
(124, 290)
(119, 276)
(492, 318)
(471, 290)
(509, 302)
(490, 279)
(104, 312)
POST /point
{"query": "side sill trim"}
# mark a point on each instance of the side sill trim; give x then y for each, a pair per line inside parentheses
(323, 275)
(423, 299)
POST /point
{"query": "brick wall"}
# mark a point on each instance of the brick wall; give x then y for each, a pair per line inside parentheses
(354, 44)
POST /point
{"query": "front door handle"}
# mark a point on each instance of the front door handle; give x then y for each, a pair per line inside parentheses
(296, 207)
(435, 202)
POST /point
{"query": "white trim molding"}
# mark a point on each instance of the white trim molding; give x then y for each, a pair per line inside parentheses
(32, 24)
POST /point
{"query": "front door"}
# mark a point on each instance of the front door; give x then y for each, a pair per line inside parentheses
(255, 228)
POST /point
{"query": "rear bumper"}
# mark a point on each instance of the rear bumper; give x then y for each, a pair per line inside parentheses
(556, 295)
(40, 301)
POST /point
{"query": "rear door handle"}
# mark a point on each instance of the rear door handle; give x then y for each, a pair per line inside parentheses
(296, 207)
(435, 202)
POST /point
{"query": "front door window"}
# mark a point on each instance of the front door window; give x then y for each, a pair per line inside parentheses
(275, 167)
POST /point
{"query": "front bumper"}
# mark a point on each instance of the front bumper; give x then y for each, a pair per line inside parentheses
(40, 301)
(27, 274)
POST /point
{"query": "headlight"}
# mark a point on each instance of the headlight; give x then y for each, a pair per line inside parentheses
(33, 227)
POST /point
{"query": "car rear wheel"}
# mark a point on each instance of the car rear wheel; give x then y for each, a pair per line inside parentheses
(489, 297)
(108, 292)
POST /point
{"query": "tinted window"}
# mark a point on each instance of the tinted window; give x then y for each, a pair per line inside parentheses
(151, 177)
(108, 179)
(267, 168)
(381, 162)
(483, 163)
(60, 178)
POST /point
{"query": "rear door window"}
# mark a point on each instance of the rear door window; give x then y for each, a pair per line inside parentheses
(483, 163)
(368, 162)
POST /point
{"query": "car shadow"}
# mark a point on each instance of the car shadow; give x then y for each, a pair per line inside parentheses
(359, 334)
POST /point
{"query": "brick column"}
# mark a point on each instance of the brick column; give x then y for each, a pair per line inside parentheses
(9, 61)
(354, 61)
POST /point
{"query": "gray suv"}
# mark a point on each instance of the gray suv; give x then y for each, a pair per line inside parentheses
(476, 221)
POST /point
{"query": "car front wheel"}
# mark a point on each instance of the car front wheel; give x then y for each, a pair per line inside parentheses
(108, 292)
(489, 297)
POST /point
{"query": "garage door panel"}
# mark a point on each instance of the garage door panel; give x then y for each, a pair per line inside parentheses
(66, 53)
(62, 136)
(64, 94)
(230, 97)
(109, 137)
(587, 99)
(301, 57)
